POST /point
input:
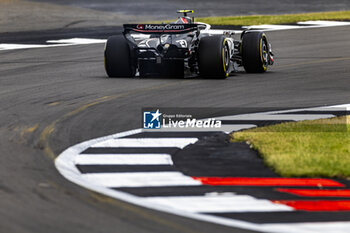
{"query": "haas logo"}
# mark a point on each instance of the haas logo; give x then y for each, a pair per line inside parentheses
(140, 26)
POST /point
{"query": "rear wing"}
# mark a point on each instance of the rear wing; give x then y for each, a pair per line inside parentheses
(160, 28)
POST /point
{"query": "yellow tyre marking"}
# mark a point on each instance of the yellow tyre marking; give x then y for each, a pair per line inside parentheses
(223, 57)
(261, 53)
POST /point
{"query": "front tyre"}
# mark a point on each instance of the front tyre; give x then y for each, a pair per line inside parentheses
(118, 62)
(214, 57)
(255, 52)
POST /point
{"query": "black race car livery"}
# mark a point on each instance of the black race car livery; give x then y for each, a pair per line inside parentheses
(185, 48)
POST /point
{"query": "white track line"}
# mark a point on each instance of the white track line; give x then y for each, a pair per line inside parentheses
(341, 107)
(140, 179)
(324, 23)
(301, 25)
(219, 204)
(78, 41)
(272, 27)
(317, 227)
(123, 159)
(267, 27)
(147, 142)
(28, 46)
(54, 43)
(65, 163)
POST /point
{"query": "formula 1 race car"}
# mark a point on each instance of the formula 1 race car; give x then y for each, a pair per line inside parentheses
(185, 48)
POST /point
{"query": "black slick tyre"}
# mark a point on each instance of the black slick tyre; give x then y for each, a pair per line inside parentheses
(213, 57)
(118, 61)
(255, 52)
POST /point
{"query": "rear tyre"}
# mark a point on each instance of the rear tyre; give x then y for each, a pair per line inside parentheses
(214, 57)
(255, 52)
(118, 62)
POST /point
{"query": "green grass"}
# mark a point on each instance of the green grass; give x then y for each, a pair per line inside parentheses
(273, 19)
(319, 148)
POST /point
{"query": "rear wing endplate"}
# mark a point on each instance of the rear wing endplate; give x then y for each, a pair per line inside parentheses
(160, 28)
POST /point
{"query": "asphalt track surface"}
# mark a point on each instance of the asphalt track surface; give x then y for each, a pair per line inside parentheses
(161, 8)
(53, 98)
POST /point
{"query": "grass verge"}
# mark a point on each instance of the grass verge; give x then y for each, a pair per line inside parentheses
(319, 148)
(273, 19)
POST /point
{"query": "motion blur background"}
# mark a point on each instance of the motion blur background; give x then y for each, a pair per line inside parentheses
(24, 15)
